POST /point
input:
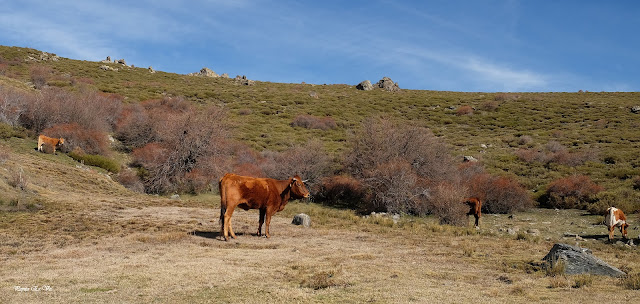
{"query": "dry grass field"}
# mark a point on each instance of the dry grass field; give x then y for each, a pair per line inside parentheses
(75, 236)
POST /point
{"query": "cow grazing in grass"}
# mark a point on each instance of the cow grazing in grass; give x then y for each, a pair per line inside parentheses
(53, 142)
(616, 218)
(265, 194)
(475, 207)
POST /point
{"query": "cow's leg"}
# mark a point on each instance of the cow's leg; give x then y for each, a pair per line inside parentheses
(227, 223)
(623, 230)
(263, 211)
(267, 223)
(477, 220)
(611, 229)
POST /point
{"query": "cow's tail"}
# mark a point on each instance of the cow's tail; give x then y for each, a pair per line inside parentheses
(223, 204)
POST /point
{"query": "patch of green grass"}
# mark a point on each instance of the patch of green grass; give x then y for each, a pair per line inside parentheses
(97, 161)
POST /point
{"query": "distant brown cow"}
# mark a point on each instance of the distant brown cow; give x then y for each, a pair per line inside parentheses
(475, 209)
(266, 194)
(53, 142)
(616, 218)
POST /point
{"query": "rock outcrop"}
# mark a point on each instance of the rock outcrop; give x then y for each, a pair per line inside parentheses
(365, 86)
(578, 260)
(387, 84)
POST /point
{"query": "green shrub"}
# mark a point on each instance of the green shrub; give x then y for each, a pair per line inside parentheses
(96, 161)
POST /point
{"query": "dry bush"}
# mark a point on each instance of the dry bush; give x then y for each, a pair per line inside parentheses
(464, 110)
(575, 191)
(75, 136)
(445, 201)
(134, 127)
(314, 122)
(489, 106)
(506, 97)
(39, 75)
(397, 165)
(87, 108)
(499, 194)
(342, 191)
(310, 161)
(130, 180)
(4, 155)
(13, 104)
(18, 179)
(186, 140)
(555, 152)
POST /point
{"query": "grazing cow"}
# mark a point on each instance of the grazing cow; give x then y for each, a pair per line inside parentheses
(616, 218)
(266, 194)
(475, 207)
(54, 142)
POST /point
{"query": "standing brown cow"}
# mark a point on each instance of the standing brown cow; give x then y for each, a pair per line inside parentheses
(475, 206)
(266, 194)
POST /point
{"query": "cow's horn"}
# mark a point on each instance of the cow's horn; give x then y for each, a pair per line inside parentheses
(306, 180)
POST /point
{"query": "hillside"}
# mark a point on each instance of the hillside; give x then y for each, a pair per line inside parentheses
(600, 124)
(69, 232)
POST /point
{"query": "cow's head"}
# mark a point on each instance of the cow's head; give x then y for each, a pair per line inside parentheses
(60, 142)
(298, 189)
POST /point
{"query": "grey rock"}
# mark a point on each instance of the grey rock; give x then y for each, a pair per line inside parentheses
(635, 109)
(470, 159)
(175, 197)
(302, 219)
(579, 261)
(365, 86)
(388, 84)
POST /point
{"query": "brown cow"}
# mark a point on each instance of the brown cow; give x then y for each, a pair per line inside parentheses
(266, 194)
(616, 218)
(54, 142)
(475, 209)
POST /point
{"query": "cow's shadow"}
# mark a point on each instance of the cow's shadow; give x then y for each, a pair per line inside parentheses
(214, 235)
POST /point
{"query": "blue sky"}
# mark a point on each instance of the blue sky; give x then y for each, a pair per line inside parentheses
(450, 45)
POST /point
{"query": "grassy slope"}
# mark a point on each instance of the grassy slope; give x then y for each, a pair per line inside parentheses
(600, 122)
(91, 240)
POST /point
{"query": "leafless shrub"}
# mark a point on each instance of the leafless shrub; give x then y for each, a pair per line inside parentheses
(575, 191)
(499, 194)
(39, 75)
(506, 97)
(187, 140)
(397, 164)
(343, 191)
(314, 122)
(555, 152)
(310, 161)
(525, 140)
(18, 179)
(464, 110)
(4, 155)
(13, 104)
(130, 179)
(89, 140)
(489, 106)
(445, 201)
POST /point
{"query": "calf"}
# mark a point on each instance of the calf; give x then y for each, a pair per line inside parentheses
(53, 142)
(475, 207)
(616, 218)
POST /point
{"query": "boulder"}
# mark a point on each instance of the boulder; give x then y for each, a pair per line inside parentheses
(635, 109)
(388, 84)
(469, 159)
(151, 70)
(302, 219)
(579, 261)
(365, 86)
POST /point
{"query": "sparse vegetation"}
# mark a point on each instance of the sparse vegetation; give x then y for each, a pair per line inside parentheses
(179, 133)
